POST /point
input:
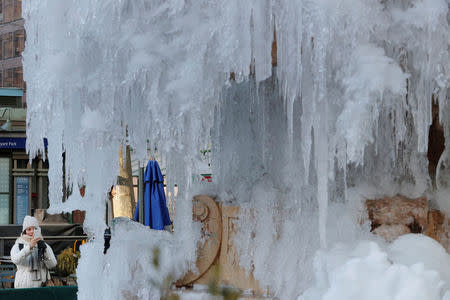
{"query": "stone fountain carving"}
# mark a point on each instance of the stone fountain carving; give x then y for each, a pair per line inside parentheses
(217, 247)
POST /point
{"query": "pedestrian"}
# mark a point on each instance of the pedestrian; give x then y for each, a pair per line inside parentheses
(32, 256)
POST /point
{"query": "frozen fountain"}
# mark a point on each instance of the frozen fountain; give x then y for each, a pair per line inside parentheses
(303, 130)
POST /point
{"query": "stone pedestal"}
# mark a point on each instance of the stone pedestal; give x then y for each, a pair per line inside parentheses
(392, 217)
(399, 210)
(438, 228)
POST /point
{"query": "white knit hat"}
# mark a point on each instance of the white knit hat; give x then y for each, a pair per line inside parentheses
(29, 221)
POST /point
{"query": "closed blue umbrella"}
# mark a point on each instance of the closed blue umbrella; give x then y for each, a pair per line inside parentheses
(156, 214)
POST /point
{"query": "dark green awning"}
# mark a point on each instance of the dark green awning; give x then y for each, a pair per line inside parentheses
(47, 293)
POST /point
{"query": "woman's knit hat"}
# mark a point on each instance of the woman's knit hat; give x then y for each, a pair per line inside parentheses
(29, 221)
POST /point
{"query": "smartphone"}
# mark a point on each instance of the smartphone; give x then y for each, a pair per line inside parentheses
(37, 232)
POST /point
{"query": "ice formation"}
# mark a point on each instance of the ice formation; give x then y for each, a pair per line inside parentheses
(344, 115)
(368, 271)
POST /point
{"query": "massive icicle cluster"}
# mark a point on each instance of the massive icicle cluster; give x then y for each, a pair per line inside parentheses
(344, 115)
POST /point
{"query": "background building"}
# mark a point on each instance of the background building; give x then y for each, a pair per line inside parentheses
(23, 185)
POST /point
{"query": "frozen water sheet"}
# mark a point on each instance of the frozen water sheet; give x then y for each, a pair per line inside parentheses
(343, 116)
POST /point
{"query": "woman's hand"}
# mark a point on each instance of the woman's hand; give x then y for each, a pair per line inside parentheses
(34, 242)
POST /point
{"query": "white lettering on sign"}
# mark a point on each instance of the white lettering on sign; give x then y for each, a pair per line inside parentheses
(12, 143)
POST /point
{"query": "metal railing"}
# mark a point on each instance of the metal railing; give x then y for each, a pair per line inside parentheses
(48, 238)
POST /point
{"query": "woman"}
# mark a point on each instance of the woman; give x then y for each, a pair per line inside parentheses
(32, 270)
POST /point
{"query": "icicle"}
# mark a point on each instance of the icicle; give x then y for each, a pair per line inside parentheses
(364, 71)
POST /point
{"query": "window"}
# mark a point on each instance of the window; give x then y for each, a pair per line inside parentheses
(1, 11)
(17, 14)
(30, 185)
(8, 10)
(4, 189)
(6, 101)
(44, 191)
(19, 42)
(8, 79)
(7, 46)
(18, 77)
(12, 10)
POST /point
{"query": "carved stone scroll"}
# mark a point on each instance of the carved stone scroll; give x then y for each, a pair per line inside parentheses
(219, 228)
(205, 210)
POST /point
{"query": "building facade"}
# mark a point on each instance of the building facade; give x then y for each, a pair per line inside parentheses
(23, 184)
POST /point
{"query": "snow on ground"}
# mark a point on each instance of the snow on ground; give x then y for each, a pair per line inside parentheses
(413, 267)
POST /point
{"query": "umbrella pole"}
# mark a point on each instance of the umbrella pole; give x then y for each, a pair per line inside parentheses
(141, 195)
